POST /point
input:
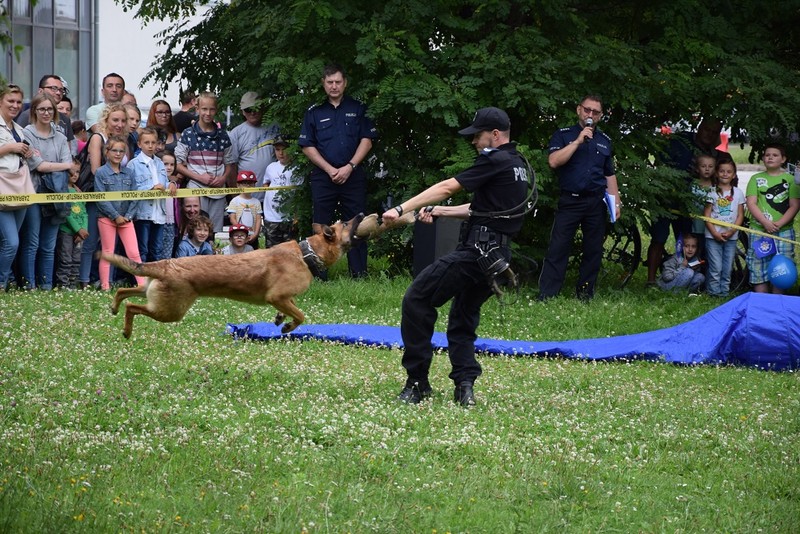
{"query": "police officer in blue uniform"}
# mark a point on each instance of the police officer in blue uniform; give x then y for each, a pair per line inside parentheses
(498, 180)
(337, 136)
(581, 157)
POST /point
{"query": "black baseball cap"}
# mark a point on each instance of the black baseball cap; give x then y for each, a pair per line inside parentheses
(486, 120)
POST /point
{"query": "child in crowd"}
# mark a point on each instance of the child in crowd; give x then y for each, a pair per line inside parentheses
(134, 122)
(151, 215)
(682, 270)
(114, 217)
(81, 135)
(725, 203)
(195, 243)
(172, 207)
(773, 200)
(278, 227)
(705, 166)
(244, 209)
(71, 234)
(238, 245)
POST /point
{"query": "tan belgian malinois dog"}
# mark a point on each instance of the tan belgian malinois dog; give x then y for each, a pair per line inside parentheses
(272, 276)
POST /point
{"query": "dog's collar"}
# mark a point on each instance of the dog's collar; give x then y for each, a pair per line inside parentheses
(315, 264)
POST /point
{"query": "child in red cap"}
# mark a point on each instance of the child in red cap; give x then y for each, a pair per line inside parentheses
(246, 210)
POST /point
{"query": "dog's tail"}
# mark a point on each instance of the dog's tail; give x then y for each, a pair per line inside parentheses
(128, 265)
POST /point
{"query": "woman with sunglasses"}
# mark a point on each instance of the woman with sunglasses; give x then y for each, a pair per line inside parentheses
(160, 116)
(49, 164)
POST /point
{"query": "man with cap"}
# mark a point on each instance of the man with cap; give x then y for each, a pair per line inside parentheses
(251, 142)
(498, 181)
(337, 136)
(581, 158)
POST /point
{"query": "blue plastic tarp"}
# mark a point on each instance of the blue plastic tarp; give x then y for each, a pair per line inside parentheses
(754, 330)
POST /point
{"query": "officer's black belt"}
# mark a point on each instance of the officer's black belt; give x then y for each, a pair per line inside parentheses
(584, 194)
(484, 234)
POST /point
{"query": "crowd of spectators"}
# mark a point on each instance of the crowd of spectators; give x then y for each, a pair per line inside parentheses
(114, 147)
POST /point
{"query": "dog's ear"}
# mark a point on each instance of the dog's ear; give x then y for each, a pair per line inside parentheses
(329, 233)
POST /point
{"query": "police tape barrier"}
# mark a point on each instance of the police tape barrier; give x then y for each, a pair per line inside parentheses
(740, 228)
(149, 194)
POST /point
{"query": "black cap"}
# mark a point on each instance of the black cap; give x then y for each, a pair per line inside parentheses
(279, 141)
(486, 120)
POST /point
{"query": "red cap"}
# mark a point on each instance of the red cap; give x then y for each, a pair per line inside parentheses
(238, 228)
(246, 176)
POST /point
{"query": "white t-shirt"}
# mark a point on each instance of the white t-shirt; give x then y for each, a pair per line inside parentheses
(277, 175)
(725, 208)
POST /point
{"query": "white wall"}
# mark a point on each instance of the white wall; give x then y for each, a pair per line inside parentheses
(127, 48)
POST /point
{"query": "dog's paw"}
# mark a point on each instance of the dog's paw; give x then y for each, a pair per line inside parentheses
(288, 327)
(114, 310)
(279, 318)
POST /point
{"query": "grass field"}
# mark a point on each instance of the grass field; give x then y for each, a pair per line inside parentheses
(185, 429)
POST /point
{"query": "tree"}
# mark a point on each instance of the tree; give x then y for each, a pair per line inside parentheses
(424, 67)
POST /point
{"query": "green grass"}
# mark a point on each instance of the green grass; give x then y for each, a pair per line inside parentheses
(183, 428)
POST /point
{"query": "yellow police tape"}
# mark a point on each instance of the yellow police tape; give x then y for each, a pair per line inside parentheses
(741, 228)
(41, 198)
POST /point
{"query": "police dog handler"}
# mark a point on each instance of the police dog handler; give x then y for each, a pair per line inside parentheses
(498, 180)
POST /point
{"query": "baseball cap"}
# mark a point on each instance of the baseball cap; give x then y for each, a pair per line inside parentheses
(486, 120)
(246, 176)
(249, 100)
(238, 228)
(279, 141)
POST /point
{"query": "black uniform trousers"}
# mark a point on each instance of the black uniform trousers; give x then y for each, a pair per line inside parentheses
(351, 199)
(588, 212)
(454, 276)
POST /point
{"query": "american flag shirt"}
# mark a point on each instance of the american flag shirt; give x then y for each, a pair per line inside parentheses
(204, 152)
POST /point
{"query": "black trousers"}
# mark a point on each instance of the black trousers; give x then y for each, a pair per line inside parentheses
(454, 276)
(588, 213)
(348, 199)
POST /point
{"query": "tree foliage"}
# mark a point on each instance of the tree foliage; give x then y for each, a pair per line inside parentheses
(424, 67)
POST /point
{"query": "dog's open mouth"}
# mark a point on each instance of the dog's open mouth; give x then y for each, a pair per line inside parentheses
(354, 222)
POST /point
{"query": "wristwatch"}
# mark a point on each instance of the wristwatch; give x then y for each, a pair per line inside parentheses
(353, 165)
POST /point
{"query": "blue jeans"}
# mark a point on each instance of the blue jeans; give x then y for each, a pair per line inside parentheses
(720, 264)
(148, 236)
(28, 245)
(88, 261)
(685, 279)
(10, 223)
(37, 252)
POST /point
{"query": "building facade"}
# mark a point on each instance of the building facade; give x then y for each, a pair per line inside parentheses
(52, 37)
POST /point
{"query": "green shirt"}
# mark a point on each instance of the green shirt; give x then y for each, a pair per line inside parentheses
(772, 196)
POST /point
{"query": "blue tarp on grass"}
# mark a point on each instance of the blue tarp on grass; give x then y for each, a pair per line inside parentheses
(754, 330)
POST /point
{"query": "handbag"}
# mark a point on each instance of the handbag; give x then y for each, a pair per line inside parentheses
(85, 181)
(16, 183)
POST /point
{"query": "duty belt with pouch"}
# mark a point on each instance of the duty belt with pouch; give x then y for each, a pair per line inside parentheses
(485, 236)
(491, 259)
